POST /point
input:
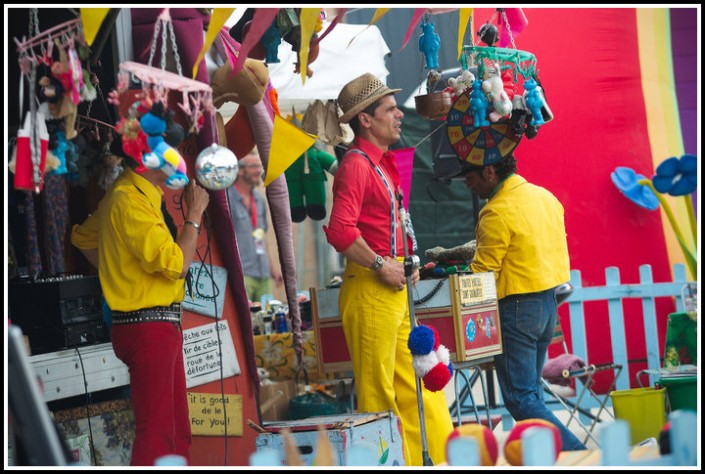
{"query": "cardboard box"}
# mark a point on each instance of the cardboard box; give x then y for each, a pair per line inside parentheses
(462, 308)
(274, 400)
(382, 430)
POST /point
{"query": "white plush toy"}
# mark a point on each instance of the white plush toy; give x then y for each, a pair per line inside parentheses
(496, 95)
(461, 83)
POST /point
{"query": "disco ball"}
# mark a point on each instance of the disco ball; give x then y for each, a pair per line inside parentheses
(216, 167)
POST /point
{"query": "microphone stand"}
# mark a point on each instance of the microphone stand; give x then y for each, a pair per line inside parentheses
(411, 262)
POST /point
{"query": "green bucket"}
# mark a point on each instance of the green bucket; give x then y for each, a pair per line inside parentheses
(643, 408)
(682, 392)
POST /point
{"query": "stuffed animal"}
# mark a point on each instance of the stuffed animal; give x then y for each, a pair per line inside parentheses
(430, 358)
(461, 83)
(306, 182)
(247, 87)
(494, 88)
(162, 155)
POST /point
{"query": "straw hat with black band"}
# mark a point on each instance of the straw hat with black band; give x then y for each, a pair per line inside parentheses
(360, 93)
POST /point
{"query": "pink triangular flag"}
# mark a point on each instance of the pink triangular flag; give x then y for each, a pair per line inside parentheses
(261, 20)
(405, 165)
(418, 14)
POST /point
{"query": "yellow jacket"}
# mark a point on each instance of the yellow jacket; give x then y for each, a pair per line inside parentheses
(521, 237)
(139, 263)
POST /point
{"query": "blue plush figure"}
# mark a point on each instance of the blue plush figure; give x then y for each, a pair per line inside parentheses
(162, 155)
(270, 41)
(478, 105)
(429, 44)
(534, 101)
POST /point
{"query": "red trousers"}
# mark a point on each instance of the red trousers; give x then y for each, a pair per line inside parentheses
(153, 353)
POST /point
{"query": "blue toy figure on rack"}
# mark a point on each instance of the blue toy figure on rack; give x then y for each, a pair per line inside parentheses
(478, 105)
(534, 101)
(271, 39)
(429, 44)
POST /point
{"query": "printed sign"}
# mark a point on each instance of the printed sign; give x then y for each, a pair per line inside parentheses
(207, 417)
(477, 288)
(208, 286)
(207, 350)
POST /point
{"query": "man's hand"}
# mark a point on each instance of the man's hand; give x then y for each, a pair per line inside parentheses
(392, 273)
(196, 199)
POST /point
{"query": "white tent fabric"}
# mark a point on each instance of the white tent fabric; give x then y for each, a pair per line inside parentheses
(338, 62)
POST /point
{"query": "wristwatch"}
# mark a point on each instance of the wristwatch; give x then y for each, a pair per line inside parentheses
(377, 264)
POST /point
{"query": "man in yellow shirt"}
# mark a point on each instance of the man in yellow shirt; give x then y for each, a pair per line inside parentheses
(521, 237)
(141, 267)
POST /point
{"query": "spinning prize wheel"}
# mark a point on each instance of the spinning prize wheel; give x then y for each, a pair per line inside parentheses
(478, 145)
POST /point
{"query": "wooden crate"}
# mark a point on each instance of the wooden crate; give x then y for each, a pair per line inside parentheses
(462, 308)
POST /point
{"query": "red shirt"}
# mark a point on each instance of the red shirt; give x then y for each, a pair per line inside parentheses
(361, 201)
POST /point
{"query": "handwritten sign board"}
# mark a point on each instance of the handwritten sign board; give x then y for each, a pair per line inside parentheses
(477, 288)
(207, 349)
(207, 418)
(208, 285)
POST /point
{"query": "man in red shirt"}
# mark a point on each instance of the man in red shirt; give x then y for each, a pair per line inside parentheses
(364, 226)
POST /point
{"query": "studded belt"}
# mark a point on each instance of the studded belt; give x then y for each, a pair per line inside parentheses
(157, 314)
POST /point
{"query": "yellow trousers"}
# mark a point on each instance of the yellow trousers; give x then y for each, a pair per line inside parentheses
(377, 325)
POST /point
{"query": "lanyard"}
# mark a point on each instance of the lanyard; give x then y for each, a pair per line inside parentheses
(391, 200)
(253, 211)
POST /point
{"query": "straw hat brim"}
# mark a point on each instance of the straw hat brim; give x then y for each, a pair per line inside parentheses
(360, 106)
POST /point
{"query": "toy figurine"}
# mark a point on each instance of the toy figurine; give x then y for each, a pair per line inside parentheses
(534, 101)
(429, 44)
(478, 105)
(270, 41)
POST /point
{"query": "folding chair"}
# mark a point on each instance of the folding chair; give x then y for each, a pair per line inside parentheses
(559, 374)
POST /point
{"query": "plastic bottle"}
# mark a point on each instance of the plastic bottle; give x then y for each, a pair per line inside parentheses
(255, 311)
(267, 319)
(280, 320)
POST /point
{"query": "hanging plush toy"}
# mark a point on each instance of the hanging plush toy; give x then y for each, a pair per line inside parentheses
(306, 180)
(163, 155)
(430, 358)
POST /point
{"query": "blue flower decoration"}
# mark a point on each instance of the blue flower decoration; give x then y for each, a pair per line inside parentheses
(627, 181)
(677, 176)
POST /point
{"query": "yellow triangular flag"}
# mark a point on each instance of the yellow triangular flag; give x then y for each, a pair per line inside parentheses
(92, 18)
(288, 143)
(465, 15)
(379, 13)
(218, 19)
(308, 19)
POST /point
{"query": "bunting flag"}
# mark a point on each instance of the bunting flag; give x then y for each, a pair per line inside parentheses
(261, 20)
(517, 22)
(92, 19)
(418, 14)
(341, 14)
(379, 13)
(288, 143)
(307, 19)
(465, 18)
(405, 165)
(217, 21)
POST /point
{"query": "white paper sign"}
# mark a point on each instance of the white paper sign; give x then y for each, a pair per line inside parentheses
(202, 357)
(208, 284)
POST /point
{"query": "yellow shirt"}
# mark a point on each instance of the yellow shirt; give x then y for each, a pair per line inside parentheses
(139, 264)
(521, 238)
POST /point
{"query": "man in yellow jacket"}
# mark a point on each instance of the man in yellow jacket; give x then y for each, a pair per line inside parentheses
(521, 237)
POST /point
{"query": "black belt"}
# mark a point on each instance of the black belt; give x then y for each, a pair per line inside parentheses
(157, 314)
